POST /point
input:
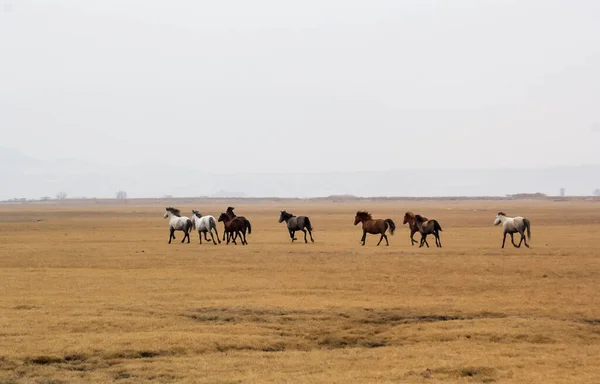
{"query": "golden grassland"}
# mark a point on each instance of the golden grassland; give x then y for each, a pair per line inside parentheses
(95, 294)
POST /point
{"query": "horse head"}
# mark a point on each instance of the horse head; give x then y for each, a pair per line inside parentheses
(284, 216)
(499, 217)
(361, 216)
(172, 211)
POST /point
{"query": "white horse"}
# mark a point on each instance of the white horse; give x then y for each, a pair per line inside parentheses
(205, 224)
(178, 223)
(513, 225)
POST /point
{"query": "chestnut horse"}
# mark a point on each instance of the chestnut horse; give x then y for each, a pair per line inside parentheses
(374, 227)
(409, 218)
(232, 216)
(233, 228)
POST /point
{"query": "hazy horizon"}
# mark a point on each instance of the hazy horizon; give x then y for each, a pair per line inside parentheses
(26, 177)
(319, 86)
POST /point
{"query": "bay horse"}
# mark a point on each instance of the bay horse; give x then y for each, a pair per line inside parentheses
(296, 223)
(409, 218)
(178, 223)
(233, 228)
(205, 224)
(232, 216)
(374, 227)
(513, 225)
(428, 227)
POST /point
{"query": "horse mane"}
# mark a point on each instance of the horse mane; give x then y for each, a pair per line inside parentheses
(410, 214)
(174, 211)
(230, 209)
(364, 214)
(197, 214)
(501, 214)
(420, 218)
(287, 214)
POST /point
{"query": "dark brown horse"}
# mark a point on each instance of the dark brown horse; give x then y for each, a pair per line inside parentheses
(409, 218)
(232, 216)
(428, 227)
(233, 228)
(374, 227)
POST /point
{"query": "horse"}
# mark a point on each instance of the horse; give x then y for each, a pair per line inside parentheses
(428, 227)
(513, 225)
(178, 223)
(205, 224)
(374, 227)
(296, 223)
(232, 216)
(409, 218)
(233, 228)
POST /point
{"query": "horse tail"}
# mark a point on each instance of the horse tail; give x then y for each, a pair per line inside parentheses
(247, 225)
(528, 227)
(307, 223)
(190, 225)
(392, 225)
(437, 226)
(212, 223)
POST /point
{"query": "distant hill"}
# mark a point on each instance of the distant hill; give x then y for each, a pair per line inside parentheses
(25, 177)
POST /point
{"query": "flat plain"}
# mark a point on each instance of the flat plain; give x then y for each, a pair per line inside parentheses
(93, 293)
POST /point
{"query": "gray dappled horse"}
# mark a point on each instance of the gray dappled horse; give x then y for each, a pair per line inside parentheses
(513, 225)
(296, 223)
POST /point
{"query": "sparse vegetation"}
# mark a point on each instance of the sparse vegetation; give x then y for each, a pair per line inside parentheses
(89, 306)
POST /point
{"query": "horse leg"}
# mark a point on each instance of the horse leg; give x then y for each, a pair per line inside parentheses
(213, 238)
(311, 238)
(412, 240)
(291, 235)
(205, 236)
(387, 243)
(200, 236)
(243, 232)
(305, 241)
(171, 234)
(187, 234)
(380, 238)
(424, 241)
(364, 237)
(504, 239)
(512, 240)
(217, 234)
(524, 239)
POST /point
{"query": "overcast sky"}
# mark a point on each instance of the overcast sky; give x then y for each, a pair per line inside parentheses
(305, 85)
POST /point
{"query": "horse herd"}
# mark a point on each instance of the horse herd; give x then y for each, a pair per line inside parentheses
(237, 226)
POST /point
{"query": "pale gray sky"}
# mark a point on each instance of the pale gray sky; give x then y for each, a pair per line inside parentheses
(337, 84)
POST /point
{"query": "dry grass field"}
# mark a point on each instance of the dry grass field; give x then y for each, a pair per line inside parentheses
(95, 294)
